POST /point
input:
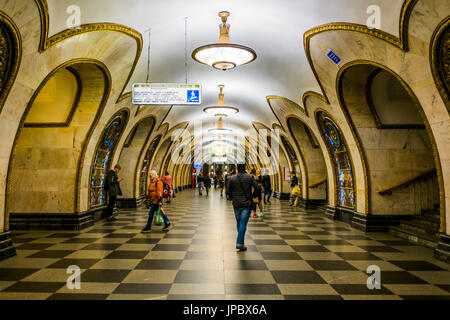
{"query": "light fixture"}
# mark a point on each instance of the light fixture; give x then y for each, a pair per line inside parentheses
(224, 55)
(221, 110)
(220, 130)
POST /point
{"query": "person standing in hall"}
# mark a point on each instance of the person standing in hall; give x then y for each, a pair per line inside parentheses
(294, 182)
(267, 186)
(239, 190)
(216, 181)
(113, 188)
(256, 195)
(155, 196)
(200, 183)
(207, 183)
(168, 179)
(221, 185)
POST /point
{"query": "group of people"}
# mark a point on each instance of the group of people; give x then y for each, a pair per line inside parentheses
(243, 189)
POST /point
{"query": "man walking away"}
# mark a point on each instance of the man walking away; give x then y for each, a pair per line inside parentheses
(239, 190)
(155, 196)
(112, 186)
(267, 187)
(207, 182)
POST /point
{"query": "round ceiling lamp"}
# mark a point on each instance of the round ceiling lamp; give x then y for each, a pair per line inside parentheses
(220, 130)
(221, 110)
(224, 55)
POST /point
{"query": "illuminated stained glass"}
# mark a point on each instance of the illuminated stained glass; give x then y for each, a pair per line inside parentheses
(343, 167)
(103, 154)
(146, 166)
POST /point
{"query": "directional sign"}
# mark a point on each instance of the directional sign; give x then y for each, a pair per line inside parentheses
(166, 93)
(334, 57)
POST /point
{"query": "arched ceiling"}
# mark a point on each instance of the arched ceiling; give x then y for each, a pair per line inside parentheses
(274, 29)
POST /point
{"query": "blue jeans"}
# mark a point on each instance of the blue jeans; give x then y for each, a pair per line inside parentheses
(154, 208)
(267, 191)
(242, 215)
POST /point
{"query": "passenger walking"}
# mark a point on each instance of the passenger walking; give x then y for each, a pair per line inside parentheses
(112, 187)
(221, 185)
(256, 195)
(207, 183)
(169, 181)
(267, 186)
(155, 196)
(200, 183)
(216, 181)
(239, 190)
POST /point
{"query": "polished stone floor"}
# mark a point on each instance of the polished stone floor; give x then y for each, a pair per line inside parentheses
(292, 254)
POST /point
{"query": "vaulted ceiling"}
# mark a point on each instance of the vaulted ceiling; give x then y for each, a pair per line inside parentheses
(274, 29)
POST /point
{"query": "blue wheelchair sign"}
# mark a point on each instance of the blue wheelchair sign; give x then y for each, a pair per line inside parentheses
(193, 96)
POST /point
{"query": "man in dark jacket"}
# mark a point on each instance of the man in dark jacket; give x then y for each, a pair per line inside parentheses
(239, 189)
(267, 186)
(113, 188)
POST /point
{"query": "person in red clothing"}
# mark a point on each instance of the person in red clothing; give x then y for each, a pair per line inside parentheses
(155, 196)
(168, 179)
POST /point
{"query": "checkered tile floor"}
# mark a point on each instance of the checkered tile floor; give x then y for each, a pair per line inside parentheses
(292, 254)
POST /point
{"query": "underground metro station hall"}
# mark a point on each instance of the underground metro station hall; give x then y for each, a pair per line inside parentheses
(225, 150)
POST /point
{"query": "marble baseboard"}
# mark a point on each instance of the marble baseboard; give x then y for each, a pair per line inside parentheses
(310, 204)
(58, 221)
(281, 196)
(365, 222)
(442, 251)
(129, 202)
(6, 246)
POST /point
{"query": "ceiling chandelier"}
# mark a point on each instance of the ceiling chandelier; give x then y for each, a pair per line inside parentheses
(220, 130)
(224, 55)
(221, 110)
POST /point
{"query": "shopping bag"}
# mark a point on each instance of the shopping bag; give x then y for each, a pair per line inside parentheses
(158, 219)
(296, 202)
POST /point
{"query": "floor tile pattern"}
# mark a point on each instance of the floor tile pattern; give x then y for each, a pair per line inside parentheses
(292, 254)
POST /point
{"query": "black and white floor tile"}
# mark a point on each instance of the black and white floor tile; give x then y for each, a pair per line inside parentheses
(292, 254)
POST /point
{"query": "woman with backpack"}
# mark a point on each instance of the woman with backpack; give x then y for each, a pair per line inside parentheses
(155, 196)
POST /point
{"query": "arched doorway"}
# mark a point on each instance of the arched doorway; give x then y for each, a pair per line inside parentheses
(50, 144)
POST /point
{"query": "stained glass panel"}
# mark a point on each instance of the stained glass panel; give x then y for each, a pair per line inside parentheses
(146, 166)
(343, 167)
(101, 164)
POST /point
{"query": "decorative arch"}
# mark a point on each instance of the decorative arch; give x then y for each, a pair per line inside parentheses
(72, 126)
(103, 154)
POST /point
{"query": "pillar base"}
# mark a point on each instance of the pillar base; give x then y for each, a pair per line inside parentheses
(129, 202)
(281, 196)
(442, 251)
(364, 222)
(55, 221)
(6, 246)
(310, 204)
